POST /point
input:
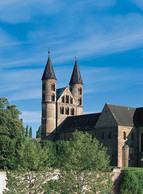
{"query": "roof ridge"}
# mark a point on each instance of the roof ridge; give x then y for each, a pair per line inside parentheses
(120, 105)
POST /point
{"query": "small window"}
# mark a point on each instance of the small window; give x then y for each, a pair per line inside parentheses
(109, 136)
(43, 86)
(63, 99)
(72, 111)
(53, 87)
(62, 110)
(102, 135)
(132, 136)
(124, 135)
(71, 100)
(79, 91)
(80, 101)
(43, 97)
(67, 99)
(53, 97)
(67, 111)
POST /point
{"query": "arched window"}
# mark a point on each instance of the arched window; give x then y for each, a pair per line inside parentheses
(63, 99)
(102, 136)
(53, 87)
(72, 111)
(79, 91)
(80, 101)
(43, 97)
(43, 86)
(53, 97)
(132, 136)
(67, 99)
(71, 100)
(109, 135)
(67, 111)
(62, 110)
(124, 135)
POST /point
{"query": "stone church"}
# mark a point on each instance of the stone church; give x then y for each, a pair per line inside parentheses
(119, 128)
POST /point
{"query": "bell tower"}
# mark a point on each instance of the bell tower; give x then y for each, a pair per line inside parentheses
(48, 99)
(76, 87)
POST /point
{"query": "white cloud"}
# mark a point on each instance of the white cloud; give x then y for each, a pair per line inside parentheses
(31, 116)
(139, 3)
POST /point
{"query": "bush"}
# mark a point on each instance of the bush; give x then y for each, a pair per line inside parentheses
(130, 183)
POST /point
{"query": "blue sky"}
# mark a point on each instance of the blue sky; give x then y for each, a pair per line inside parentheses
(106, 35)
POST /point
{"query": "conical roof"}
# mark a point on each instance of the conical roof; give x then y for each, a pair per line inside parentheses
(49, 71)
(76, 76)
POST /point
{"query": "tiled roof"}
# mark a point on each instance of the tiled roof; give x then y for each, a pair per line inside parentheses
(122, 114)
(49, 71)
(80, 122)
(76, 77)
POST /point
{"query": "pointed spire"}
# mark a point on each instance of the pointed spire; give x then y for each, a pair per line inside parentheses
(49, 71)
(76, 77)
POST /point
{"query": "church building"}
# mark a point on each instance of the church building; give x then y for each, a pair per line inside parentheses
(119, 128)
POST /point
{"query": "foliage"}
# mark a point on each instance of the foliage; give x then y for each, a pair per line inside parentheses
(7, 151)
(26, 131)
(82, 162)
(31, 156)
(10, 124)
(30, 132)
(23, 181)
(38, 133)
(130, 183)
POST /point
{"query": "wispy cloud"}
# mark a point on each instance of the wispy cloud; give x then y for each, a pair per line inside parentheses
(139, 3)
(31, 116)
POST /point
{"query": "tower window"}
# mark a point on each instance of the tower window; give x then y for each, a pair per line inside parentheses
(79, 91)
(71, 100)
(109, 136)
(63, 99)
(61, 110)
(53, 97)
(102, 136)
(72, 111)
(67, 111)
(43, 97)
(43, 86)
(53, 87)
(124, 135)
(67, 99)
(79, 101)
(132, 136)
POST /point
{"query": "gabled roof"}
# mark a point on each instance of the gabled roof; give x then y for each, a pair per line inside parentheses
(122, 114)
(49, 71)
(59, 92)
(80, 122)
(76, 76)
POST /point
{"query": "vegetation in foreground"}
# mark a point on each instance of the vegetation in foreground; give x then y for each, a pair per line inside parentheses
(82, 162)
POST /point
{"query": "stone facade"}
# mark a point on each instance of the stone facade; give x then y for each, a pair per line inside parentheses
(119, 128)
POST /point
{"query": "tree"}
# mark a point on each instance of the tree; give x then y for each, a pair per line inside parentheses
(10, 124)
(30, 132)
(26, 131)
(38, 133)
(83, 165)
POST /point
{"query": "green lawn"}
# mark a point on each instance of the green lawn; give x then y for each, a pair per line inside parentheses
(132, 169)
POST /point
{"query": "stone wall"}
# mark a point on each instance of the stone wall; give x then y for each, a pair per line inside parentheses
(2, 181)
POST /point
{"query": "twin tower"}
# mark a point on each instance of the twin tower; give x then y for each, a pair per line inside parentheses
(57, 104)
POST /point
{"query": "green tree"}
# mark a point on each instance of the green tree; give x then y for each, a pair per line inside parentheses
(38, 133)
(26, 131)
(30, 132)
(10, 124)
(83, 165)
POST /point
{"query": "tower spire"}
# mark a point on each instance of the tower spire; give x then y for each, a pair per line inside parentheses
(76, 76)
(49, 71)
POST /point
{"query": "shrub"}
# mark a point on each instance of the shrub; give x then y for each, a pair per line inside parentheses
(129, 183)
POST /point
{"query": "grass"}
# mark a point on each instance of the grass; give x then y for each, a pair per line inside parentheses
(133, 169)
